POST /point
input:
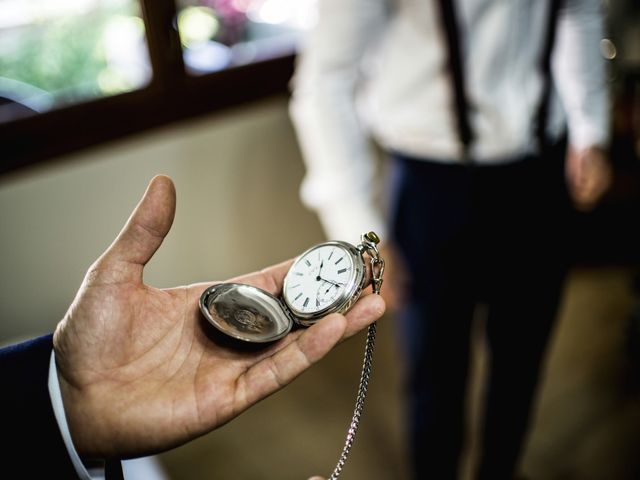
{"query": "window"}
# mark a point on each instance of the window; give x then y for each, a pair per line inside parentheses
(219, 34)
(102, 69)
(53, 54)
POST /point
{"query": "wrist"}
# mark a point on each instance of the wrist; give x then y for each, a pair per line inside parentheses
(76, 423)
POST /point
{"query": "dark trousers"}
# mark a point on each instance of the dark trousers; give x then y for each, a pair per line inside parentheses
(477, 234)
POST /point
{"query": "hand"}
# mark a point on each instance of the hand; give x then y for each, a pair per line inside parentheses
(139, 373)
(588, 176)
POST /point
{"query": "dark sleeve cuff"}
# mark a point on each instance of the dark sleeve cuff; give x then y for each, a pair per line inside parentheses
(33, 443)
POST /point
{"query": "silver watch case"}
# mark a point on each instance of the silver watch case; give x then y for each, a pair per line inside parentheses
(349, 294)
(250, 314)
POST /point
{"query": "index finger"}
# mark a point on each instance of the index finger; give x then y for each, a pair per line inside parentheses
(269, 279)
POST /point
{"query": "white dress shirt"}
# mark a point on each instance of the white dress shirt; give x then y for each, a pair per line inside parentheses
(378, 69)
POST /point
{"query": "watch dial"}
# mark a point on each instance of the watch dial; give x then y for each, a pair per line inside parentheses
(318, 279)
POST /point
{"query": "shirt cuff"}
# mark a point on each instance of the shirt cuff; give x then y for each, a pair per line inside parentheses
(589, 135)
(84, 473)
(347, 222)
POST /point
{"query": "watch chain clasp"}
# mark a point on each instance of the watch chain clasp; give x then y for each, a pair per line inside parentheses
(369, 243)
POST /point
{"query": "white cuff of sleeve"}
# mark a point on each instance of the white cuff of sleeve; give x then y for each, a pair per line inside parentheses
(340, 225)
(97, 473)
(589, 135)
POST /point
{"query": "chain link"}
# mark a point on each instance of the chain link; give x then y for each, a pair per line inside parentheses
(362, 393)
(369, 244)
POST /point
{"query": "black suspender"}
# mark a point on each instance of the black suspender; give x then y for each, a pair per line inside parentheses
(455, 64)
(545, 67)
(454, 60)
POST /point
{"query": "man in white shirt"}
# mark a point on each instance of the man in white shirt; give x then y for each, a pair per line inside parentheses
(473, 100)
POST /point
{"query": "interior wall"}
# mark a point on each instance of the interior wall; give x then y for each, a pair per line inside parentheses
(237, 176)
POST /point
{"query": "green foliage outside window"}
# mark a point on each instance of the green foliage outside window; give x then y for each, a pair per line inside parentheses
(65, 57)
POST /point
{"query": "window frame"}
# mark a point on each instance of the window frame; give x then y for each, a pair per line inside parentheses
(172, 95)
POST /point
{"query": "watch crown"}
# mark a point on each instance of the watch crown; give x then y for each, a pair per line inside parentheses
(372, 237)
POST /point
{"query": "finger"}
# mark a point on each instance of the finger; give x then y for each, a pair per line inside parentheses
(146, 228)
(269, 279)
(366, 311)
(279, 369)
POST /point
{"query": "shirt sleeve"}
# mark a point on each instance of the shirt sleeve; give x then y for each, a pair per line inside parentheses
(34, 446)
(96, 471)
(339, 159)
(580, 73)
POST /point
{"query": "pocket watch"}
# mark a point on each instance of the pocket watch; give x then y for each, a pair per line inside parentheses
(327, 278)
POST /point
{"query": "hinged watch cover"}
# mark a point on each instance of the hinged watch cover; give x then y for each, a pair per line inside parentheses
(245, 312)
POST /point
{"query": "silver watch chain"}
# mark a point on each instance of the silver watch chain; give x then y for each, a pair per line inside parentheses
(369, 244)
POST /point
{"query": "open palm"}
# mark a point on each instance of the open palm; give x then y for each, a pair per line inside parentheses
(141, 371)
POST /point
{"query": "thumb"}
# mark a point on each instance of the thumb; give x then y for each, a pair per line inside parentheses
(145, 230)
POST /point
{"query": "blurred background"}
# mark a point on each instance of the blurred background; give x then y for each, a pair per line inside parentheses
(98, 96)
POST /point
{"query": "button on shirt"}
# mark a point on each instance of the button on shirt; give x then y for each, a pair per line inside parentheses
(377, 68)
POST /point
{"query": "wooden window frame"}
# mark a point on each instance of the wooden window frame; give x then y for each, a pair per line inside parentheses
(171, 95)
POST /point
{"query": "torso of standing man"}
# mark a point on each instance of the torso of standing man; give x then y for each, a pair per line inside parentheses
(501, 45)
(393, 55)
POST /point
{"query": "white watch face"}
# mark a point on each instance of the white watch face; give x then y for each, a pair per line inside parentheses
(319, 279)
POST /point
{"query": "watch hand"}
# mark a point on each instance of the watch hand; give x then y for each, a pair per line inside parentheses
(318, 278)
(332, 285)
(331, 282)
